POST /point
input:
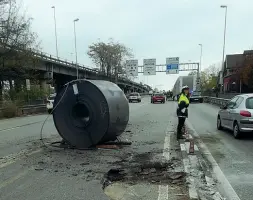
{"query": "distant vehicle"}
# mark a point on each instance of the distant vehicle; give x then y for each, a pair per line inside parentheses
(158, 97)
(237, 115)
(196, 97)
(190, 81)
(134, 97)
(150, 92)
(50, 103)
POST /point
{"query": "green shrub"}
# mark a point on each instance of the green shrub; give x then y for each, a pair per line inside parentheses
(9, 110)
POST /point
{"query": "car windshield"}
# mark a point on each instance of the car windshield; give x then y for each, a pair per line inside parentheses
(158, 95)
(249, 103)
(196, 94)
(133, 95)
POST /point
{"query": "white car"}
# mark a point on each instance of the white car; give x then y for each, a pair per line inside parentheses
(50, 103)
(134, 97)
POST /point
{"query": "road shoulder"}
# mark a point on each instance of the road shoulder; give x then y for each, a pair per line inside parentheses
(209, 177)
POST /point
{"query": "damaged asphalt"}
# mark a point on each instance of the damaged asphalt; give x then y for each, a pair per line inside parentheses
(136, 171)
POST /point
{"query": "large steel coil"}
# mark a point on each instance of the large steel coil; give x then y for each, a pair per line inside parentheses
(90, 112)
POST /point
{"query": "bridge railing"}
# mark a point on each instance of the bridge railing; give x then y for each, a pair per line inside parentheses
(216, 101)
(51, 58)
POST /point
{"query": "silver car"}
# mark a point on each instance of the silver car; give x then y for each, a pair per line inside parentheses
(237, 115)
(134, 97)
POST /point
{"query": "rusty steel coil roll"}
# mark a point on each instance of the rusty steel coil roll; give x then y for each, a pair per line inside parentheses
(90, 112)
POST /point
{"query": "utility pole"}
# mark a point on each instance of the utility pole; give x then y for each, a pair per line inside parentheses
(55, 32)
(224, 44)
(77, 72)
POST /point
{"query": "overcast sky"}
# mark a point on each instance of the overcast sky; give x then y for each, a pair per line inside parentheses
(153, 29)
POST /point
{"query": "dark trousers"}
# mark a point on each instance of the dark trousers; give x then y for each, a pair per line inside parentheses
(180, 126)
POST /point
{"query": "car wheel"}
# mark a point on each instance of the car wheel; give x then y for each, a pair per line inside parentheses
(201, 101)
(236, 131)
(219, 127)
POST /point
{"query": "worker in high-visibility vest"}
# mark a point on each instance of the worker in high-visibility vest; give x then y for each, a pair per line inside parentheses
(182, 110)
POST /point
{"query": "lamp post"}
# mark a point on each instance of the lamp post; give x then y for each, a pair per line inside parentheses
(55, 32)
(224, 40)
(76, 20)
(200, 60)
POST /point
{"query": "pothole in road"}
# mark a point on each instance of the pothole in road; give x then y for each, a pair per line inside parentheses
(155, 173)
(141, 170)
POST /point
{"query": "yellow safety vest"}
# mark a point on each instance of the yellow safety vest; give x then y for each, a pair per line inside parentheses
(183, 98)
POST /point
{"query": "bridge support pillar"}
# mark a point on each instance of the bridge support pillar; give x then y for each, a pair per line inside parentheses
(43, 85)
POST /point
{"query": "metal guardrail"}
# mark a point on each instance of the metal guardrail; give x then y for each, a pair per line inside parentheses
(47, 57)
(216, 101)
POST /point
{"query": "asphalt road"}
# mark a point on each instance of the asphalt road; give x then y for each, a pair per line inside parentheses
(235, 157)
(29, 172)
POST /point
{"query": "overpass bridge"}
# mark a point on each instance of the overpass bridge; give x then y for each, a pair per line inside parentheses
(59, 71)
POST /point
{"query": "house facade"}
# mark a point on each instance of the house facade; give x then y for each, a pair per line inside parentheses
(230, 78)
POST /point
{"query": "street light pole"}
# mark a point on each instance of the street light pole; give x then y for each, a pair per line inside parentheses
(77, 73)
(224, 42)
(200, 60)
(55, 32)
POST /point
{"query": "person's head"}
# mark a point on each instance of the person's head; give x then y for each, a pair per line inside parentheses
(185, 90)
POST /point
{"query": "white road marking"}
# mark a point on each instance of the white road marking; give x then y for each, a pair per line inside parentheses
(182, 146)
(163, 192)
(13, 179)
(228, 190)
(192, 190)
(20, 126)
(166, 147)
(12, 158)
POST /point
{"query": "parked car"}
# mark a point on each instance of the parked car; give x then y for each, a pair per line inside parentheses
(237, 115)
(196, 97)
(158, 97)
(50, 103)
(134, 97)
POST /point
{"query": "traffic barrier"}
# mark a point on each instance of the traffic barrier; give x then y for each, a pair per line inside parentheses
(28, 110)
(90, 112)
(216, 101)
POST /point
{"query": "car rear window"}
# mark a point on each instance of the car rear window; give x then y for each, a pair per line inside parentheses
(249, 103)
(195, 94)
(158, 95)
(133, 95)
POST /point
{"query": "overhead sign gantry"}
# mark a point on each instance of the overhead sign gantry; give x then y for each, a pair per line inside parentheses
(171, 67)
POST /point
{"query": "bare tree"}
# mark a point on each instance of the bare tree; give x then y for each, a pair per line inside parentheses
(208, 77)
(16, 44)
(109, 57)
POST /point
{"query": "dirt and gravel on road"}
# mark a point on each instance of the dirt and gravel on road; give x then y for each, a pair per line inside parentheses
(152, 167)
